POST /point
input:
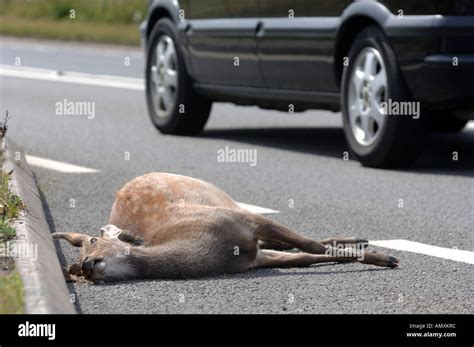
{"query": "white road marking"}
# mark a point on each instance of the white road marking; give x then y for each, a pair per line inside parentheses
(57, 165)
(421, 248)
(256, 209)
(72, 77)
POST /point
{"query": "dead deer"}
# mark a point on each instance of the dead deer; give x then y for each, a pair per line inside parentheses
(172, 226)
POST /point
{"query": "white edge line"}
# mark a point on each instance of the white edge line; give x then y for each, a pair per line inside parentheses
(73, 77)
(421, 248)
(256, 209)
(57, 165)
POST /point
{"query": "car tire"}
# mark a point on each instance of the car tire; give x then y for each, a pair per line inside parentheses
(375, 139)
(174, 106)
(447, 125)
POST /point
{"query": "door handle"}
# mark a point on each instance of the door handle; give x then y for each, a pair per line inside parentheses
(259, 30)
(188, 28)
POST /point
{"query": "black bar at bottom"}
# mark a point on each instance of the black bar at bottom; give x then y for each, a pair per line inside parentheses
(91, 330)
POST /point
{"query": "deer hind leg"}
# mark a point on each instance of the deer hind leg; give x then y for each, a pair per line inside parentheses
(272, 233)
(280, 246)
(266, 229)
(345, 241)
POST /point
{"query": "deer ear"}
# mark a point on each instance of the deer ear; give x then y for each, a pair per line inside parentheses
(110, 231)
(74, 239)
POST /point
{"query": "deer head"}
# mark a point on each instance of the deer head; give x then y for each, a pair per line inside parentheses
(102, 259)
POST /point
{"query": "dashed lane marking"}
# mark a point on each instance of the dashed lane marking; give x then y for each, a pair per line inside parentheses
(72, 77)
(57, 165)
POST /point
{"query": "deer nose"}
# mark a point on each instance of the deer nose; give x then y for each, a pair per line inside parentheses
(87, 264)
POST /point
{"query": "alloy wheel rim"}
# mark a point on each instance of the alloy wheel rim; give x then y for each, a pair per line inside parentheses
(164, 77)
(368, 91)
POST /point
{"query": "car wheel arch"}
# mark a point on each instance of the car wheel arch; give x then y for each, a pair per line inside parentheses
(159, 12)
(354, 19)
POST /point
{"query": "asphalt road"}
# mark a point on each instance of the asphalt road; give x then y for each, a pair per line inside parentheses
(299, 158)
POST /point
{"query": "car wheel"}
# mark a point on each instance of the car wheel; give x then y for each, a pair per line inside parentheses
(371, 79)
(447, 125)
(173, 105)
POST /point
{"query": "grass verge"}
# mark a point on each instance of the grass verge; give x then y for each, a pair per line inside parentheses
(10, 207)
(11, 287)
(12, 296)
(101, 11)
(125, 34)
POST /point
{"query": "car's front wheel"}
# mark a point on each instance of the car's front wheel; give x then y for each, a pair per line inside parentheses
(173, 105)
(371, 85)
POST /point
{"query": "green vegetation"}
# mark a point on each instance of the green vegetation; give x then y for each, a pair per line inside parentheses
(125, 34)
(11, 286)
(10, 207)
(104, 11)
(113, 21)
(11, 293)
(7, 233)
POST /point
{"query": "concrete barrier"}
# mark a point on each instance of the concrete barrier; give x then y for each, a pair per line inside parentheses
(38, 264)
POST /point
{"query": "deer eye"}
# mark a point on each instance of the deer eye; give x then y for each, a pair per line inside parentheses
(93, 240)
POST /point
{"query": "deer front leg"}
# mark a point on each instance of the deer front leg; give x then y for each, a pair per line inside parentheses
(131, 239)
(332, 241)
(273, 259)
(267, 258)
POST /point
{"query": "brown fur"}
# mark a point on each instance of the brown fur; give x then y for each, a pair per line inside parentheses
(186, 227)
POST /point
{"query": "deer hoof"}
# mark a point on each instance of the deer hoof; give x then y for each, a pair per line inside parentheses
(392, 262)
(380, 259)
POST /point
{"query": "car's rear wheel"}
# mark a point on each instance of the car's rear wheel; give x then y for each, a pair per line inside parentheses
(173, 105)
(370, 84)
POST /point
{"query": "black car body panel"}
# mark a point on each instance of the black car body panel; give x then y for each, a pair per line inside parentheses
(258, 52)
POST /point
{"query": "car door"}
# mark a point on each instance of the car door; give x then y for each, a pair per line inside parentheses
(221, 41)
(296, 43)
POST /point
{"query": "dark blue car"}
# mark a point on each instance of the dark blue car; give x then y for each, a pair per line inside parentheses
(396, 69)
